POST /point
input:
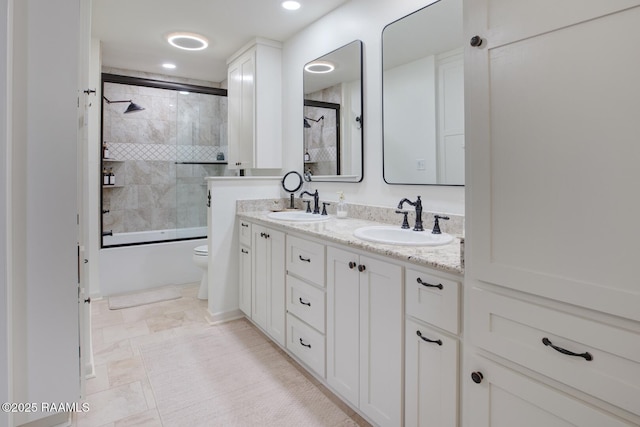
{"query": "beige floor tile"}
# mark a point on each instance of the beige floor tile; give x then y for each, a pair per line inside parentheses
(113, 334)
(106, 318)
(98, 383)
(112, 405)
(126, 371)
(149, 418)
(105, 353)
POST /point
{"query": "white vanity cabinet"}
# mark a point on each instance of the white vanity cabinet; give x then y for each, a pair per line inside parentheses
(431, 355)
(502, 397)
(364, 333)
(306, 302)
(244, 260)
(552, 297)
(268, 281)
(254, 98)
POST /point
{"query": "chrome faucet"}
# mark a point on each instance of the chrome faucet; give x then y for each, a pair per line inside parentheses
(316, 200)
(418, 206)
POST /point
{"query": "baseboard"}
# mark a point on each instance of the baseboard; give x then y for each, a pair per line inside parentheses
(227, 316)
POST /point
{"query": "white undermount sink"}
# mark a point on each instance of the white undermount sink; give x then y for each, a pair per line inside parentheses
(298, 216)
(394, 235)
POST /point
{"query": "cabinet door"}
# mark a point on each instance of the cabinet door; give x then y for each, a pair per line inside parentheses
(343, 324)
(260, 276)
(240, 100)
(244, 291)
(431, 377)
(552, 105)
(505, 398)
(381, 340)
(276, 310)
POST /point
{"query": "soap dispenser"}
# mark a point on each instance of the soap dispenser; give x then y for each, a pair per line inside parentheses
(341, 209)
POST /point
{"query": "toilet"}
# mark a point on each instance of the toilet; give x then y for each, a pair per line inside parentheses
(201, 259)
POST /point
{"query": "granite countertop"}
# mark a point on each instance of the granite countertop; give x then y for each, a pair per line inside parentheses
(446, 258)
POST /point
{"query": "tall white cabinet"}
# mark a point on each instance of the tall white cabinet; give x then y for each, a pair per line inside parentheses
(551, 98)
(254, 103)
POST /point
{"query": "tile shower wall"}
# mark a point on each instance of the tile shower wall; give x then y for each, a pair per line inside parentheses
(153, 190)
(320, 138)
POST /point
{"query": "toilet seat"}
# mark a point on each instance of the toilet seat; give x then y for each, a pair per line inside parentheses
(201, 250)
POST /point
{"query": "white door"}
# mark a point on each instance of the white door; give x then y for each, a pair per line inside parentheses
(245, 280)
(431, 377)
(381, 340)
(276, 310)
(343, 323)
(87, 100)
(500, 397)
(260, 276)
(552, 117)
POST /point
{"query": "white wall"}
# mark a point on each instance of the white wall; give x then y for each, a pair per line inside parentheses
(223, 238)
(411, 132)
(5, 307)
(364, 20)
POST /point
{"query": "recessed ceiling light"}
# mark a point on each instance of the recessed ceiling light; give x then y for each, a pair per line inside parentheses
(187, 41)
(169, 66)
(290, 5)
(319, 67)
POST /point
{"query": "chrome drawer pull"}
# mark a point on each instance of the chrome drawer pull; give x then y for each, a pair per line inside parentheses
(428, 285)
(439, 342)
(304, 259)
(304, 303)
(586, 355)
(303, 344)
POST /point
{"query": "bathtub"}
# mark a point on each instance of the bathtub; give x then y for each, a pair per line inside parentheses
(144, 264)
(142, 237)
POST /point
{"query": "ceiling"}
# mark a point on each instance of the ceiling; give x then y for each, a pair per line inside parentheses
(133, 32)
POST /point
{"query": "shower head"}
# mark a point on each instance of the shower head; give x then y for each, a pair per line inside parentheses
(132, 108)
(308, 125)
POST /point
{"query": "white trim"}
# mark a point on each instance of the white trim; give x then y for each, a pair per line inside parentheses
(214, 319)
(8, 254)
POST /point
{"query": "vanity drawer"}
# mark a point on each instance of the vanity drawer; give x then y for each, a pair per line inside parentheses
(244, 232)
(608, 361)
(307, 344)
(433, 299)
(306, 301)
(305, 259)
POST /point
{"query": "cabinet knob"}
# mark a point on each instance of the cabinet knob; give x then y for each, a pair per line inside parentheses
(477, 377)
(361, 268)
(352, 265)
(476, 41)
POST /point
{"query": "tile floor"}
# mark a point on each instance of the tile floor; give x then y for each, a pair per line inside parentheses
(121, 393)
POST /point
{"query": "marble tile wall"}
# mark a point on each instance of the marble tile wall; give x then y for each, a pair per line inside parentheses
(321, 137)
(153, 191)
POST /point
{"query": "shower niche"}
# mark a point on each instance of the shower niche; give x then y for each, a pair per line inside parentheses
(159, 140)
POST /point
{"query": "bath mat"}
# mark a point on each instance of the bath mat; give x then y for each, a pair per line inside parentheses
(118, 302)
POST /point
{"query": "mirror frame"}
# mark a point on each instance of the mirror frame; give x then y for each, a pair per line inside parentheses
(359, 119)
(384, 177)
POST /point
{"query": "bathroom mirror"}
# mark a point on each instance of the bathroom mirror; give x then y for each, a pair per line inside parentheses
(423, 97)
(332, 121)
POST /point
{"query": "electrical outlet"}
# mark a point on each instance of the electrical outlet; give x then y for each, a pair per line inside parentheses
(421, 164)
